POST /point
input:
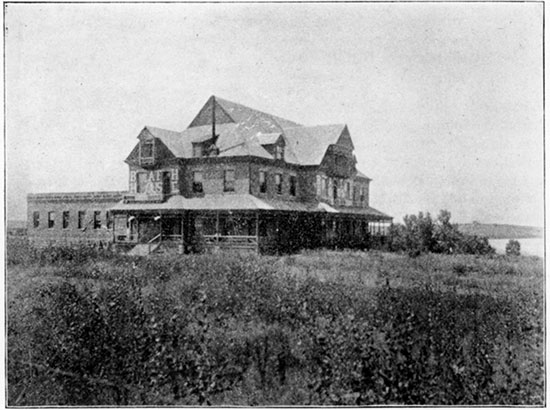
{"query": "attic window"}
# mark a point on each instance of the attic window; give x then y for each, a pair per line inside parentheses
(197, 150)
(147, 149)
(279, 152)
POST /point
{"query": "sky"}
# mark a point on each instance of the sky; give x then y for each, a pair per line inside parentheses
(443, 101)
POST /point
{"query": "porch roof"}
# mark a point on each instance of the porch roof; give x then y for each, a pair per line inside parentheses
(241, 202)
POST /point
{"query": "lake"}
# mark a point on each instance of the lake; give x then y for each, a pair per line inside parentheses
(529, 246)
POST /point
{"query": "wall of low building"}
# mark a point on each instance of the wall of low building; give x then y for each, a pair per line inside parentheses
(73, 203)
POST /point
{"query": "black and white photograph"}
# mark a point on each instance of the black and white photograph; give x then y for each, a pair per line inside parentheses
(260, 204)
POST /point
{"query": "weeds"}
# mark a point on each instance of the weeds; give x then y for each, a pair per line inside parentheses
(320, 328)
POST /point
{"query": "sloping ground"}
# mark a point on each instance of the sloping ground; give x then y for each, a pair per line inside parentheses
(501, 231)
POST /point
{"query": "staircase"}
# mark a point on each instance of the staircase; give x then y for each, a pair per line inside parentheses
(144, 249)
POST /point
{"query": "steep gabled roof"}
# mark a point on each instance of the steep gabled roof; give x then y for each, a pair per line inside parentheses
(309, 144)
(242, 114)
(242, 131)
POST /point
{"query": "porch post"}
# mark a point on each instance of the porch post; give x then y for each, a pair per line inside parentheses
(217, 226)
(257, 231)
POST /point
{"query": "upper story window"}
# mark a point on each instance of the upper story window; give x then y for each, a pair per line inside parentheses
(279, 152)
(147, 149)
(97, 219)
(229, 180)
(141, 181)
(36, 219)
(197, 181)
(65, 219)
(279, 183)
(319, 185)
(109, 218)
(325, 187)
(51, 219)
(292, 183)
(81, 219)
(348, 190)
(166, 183)
(197, 150)
(263, 182)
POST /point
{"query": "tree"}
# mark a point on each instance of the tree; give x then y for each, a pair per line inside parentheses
(513, 248)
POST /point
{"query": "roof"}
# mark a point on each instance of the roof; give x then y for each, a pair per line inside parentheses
(250, 130)
(309, 144)
(242, 114)
(241, 202)
(268, 138)
(361, 175)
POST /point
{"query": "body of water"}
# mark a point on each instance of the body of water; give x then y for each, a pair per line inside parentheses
(529, 246)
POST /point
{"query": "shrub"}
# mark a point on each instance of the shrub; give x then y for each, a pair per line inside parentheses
(420, 234)
(513, 248)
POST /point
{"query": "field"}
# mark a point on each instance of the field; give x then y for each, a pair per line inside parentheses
(324, 327)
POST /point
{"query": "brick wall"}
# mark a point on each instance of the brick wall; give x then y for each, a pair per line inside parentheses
(43, 235)
(213, 177)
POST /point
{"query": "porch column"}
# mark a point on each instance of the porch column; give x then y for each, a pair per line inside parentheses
(217, 226)
(257, 231)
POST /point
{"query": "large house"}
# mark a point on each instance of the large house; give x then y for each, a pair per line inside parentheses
(235, 178)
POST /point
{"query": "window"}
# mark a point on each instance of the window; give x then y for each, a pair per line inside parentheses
(319, 185)
(141, 182)
(348, 190)
(81, 219)
(292, 189)
(334, 191)
(263, 183)
(354, 194)
(362, 199)
(166, 183)
(197, 181)
(279, 183)
(36, 219)
(147, 149)
(109, 218)
(325, 188)
(229, 180)
(97, 219)
(65, 219)
(197, 150)
(279, 152)
(51, 219)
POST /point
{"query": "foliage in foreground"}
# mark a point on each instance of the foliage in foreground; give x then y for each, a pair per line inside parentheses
(224, 329)
(421, 234)
(513, 248)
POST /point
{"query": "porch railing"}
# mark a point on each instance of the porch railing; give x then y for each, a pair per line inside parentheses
(231, 241)
(152, 241)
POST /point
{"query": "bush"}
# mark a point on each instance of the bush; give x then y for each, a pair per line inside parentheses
(225, 329)
(420, 234)
(513, 248)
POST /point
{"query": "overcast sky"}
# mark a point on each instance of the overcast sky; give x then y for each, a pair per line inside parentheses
(443, 101)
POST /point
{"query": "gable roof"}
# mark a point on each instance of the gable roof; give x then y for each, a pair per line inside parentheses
(244, 130)
(242, 114)
(309, 144)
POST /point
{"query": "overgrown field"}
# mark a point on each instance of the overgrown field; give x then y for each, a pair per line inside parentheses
(335, 328)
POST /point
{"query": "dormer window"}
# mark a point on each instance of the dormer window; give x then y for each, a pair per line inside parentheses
(147, 149)
(279, 152)
(197, 150)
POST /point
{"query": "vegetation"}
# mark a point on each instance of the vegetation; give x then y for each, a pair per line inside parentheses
(88, 327)
(513, 248)
(421, 234)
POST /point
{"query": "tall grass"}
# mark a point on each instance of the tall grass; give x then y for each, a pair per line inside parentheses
(315, 328)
